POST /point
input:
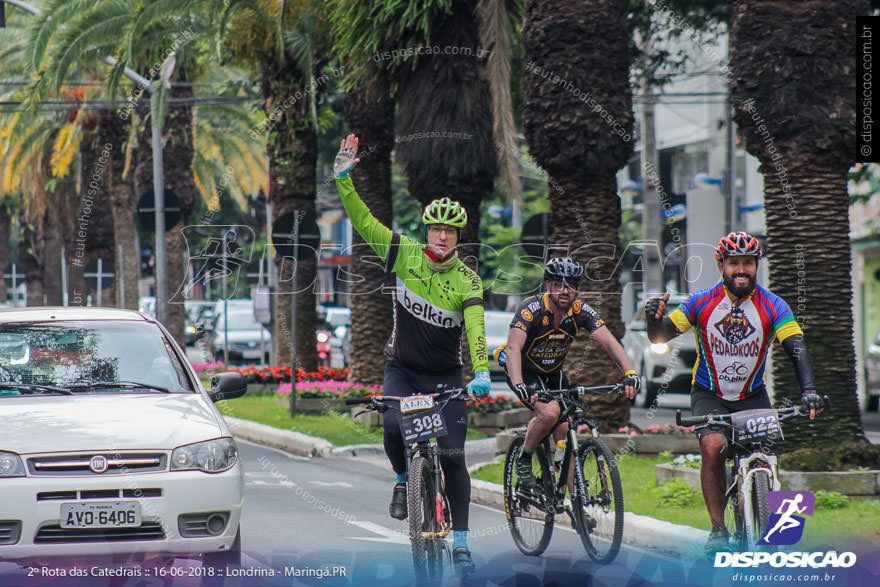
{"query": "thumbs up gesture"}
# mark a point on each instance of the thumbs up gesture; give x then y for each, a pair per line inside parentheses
(655, 308)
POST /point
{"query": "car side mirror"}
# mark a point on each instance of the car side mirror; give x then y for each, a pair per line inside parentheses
(227, 385)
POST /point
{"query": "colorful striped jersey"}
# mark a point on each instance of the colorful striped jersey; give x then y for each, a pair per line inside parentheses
(733, 341)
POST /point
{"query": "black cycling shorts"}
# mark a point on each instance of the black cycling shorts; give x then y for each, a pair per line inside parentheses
(557, 380)
(704, 402)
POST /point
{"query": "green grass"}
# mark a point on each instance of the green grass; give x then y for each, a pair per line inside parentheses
(856, 523)
(338, 429)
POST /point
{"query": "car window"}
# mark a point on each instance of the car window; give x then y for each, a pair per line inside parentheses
(83, 352)
(339, 317)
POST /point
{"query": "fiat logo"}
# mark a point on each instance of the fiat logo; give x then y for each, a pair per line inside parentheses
(98, 464)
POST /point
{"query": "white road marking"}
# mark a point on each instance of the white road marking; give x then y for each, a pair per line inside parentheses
(388, 535)
(331, 483)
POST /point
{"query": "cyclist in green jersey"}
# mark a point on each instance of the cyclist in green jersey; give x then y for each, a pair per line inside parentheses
(436, 295)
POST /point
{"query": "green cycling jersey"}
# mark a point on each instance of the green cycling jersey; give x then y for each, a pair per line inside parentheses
(430, 308)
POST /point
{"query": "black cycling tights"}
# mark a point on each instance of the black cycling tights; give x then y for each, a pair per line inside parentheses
(401, 381)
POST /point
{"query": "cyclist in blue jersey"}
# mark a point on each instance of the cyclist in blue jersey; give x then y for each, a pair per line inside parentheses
(734, 322)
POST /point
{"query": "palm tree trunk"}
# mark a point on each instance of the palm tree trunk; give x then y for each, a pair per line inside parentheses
(369, 112)
(798, 119)
(585, 217)
(178, 156)
(822, 204)
(292, 151)
(448, 149)
(92, 221)
(577, 57)
(29, 253)
(179, 150)
(113, 133)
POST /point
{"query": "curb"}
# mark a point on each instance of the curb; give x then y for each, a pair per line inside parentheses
(295, 442)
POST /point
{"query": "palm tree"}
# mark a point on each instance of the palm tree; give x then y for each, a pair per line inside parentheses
(369, 113)
(577, 52)
(280, 43)
(444, 94)
(794, 91)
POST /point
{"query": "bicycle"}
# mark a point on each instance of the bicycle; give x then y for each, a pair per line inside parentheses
(753, 469)
(597, 504)
(430, 521)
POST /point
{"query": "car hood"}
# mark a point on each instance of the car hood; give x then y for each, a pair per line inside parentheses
(33, 424)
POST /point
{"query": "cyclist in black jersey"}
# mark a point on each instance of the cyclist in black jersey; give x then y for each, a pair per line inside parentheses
(541, 333)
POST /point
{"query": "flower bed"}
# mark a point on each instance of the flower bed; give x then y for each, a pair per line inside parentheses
(215, 366)
(491, 405)
(317, 397)
(255, 374)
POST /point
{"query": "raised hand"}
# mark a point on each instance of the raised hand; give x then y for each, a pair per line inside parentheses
(656, 307)
(346, 158)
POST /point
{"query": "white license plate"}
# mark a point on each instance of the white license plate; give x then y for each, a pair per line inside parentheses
(251, 354)
(101, 514)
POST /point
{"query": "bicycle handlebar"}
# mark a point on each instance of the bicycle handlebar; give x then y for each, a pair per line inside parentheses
(723, 419)
(453, 393)
(580, 390)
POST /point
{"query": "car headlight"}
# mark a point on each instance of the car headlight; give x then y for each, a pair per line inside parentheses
(322, 337)
(659, 348)
(211, 456)
(11, 465)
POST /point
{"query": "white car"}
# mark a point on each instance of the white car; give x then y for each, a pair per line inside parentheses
(497, 328)
(248, 339)
(110, 444)
(665, 367)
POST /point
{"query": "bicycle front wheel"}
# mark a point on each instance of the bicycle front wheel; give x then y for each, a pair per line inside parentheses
(733, 517)
(598, 512)
(530, 525)
(427, 552)
(760, 509)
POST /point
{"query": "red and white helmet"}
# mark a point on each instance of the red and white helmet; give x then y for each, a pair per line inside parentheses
(738, 244)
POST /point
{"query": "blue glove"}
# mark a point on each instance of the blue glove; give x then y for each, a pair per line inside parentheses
(481, 384)
(502, 357)
(344, 162)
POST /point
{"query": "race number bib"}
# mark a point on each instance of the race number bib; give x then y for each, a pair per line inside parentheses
(422, 425)
(756, 425)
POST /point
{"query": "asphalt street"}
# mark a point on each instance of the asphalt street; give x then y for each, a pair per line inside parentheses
(303, 513)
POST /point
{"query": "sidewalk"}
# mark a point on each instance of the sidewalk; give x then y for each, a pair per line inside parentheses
(638, 530)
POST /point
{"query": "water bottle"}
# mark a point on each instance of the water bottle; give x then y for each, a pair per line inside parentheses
(558, 454)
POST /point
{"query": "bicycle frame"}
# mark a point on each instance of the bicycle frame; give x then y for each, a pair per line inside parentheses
(574, 415)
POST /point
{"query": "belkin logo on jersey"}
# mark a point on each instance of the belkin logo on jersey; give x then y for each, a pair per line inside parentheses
(424, 310)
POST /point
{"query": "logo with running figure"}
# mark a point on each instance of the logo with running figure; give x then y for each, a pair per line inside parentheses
(786, 525)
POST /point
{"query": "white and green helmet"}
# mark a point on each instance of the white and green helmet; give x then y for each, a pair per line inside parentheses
(445, 211)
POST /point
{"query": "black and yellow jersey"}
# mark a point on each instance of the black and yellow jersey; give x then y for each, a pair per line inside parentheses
(545, 347)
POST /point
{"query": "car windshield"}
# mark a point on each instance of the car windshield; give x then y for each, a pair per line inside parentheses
(497, 325)
(82, 353)
(239, 320)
